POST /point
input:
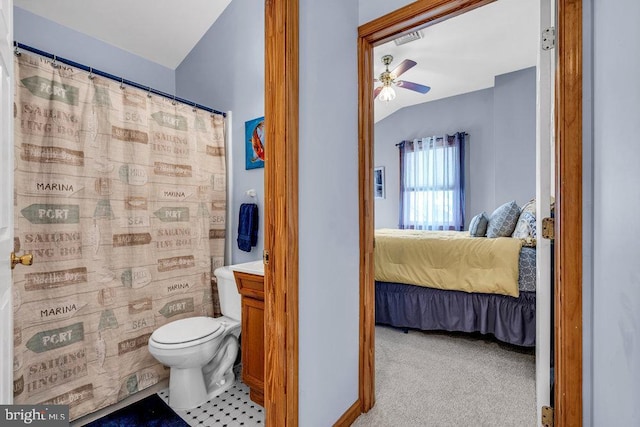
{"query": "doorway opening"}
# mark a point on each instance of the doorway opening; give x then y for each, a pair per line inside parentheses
(463, 124)
(568, 362)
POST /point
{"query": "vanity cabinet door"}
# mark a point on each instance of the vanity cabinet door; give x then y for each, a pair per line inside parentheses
(251, 288)
(253, 347)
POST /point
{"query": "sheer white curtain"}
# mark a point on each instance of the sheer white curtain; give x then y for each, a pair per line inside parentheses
(432, 183)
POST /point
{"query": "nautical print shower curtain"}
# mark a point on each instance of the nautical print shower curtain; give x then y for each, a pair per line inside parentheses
(121, 198)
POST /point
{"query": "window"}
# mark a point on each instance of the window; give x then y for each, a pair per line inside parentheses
(432, 183)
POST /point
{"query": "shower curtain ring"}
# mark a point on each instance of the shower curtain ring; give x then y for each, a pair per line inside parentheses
(174, 100)
(54, 63)
(91, 76)
(149, 92)
(194, 107)
(16, 51)
(122, 83)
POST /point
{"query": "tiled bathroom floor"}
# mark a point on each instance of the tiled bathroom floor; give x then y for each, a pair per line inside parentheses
(231, 409)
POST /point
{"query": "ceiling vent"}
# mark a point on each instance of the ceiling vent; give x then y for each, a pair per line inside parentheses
(416, 35)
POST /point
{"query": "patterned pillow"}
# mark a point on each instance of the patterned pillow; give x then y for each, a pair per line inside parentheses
(526, 226)
(503, 220)
(528, 242)
(478, 225)
(530, 207)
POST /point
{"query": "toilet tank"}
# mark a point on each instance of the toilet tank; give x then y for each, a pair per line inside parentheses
(227, 289)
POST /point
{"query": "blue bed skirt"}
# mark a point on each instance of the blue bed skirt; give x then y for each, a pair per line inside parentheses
(509, 319)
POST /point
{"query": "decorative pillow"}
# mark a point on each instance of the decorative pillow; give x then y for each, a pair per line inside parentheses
(503, 220)
(530, 207)
(478, 225)
(528, 242)
(526, 226)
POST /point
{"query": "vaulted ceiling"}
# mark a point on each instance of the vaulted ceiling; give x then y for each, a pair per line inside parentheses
(162, 31)
(465, 53)
(460, 55)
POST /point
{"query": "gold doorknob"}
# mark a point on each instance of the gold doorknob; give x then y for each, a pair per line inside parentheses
(26, 259)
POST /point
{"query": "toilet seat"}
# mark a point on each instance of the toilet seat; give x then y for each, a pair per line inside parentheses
(185, 331)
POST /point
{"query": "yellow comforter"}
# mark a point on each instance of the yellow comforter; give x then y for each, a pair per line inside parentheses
(449, 260)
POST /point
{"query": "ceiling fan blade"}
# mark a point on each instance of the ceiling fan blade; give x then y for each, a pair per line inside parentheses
(404, 66)
(376, 92)
(413, 86)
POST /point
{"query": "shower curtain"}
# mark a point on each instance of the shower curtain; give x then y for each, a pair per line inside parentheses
(121, 198)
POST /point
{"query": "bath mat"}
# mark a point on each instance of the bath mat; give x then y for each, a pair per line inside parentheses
(148, 412)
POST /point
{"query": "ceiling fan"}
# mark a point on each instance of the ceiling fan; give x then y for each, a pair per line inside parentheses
(389, 79)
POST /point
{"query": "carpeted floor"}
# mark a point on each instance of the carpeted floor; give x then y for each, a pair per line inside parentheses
(148, 412)
(441, 379)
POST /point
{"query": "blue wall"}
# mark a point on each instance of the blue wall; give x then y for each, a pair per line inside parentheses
(587, 214)
(62, 41)
(226, 69)
(372, 9)
(500, 152)
(514, 132)
(616, 203)
(328, 211)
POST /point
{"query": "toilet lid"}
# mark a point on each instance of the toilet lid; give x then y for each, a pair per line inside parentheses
(185, 330)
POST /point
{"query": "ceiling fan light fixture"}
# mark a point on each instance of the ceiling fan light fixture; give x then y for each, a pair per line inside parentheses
(387, 94)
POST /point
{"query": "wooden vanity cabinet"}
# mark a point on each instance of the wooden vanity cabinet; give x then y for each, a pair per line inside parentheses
(251, 288)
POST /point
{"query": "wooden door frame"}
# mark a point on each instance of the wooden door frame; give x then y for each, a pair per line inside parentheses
(568, 210)
(568, 229)
(281, 213)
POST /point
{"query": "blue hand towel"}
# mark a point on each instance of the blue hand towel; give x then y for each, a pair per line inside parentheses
(248, 226)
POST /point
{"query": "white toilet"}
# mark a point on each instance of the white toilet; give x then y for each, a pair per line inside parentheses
(201, 351)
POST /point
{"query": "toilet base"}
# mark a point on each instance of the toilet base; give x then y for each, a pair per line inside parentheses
(187, 389)
(217, 389)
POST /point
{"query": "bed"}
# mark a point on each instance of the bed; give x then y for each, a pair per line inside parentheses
(432, 280)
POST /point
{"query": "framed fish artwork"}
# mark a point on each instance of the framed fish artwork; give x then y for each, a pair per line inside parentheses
(254, 143)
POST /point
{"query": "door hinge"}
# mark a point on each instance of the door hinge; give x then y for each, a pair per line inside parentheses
(265, 257)
(548, 227)
(548, 38)
(547, 416)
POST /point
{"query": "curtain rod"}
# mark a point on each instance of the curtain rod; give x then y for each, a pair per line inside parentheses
(437, 137)
(122, 80)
